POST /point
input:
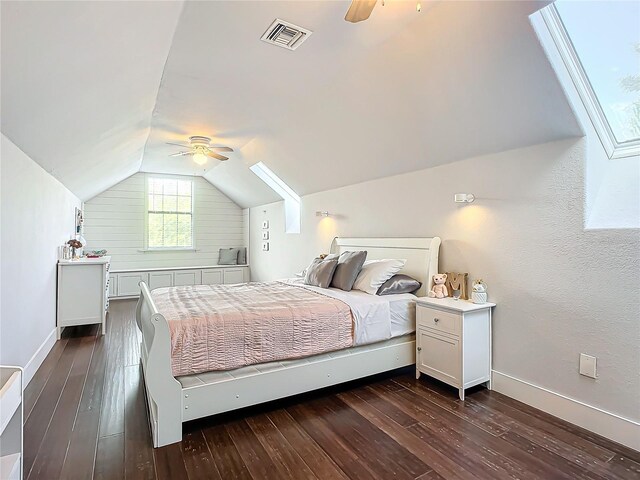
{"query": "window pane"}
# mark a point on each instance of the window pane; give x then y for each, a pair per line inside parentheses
(170, 230)
(170, 187)
(155, 230)
(170, 203)
(184, 204)
(184, 230)
(184, 187)
(606, 37)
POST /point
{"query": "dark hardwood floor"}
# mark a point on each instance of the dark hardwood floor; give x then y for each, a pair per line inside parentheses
(86, 418)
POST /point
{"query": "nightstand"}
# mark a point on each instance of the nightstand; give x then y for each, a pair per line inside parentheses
(453, 341)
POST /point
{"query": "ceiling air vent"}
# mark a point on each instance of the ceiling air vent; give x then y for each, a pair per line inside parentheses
(285, 34)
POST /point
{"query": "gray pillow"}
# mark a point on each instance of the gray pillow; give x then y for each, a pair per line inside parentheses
(349, 266)
(242, 256)
(228, 256)
(320, 272)
(399, 284)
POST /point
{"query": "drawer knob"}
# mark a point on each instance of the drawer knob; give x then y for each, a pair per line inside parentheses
(436, 320)
(419, 349)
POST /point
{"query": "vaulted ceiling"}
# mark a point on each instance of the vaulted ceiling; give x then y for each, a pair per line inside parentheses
(93, 90)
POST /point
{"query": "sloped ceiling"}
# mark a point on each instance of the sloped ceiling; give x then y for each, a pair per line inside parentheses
(93, 91)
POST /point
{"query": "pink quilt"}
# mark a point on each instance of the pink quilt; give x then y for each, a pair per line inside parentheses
(221, 327)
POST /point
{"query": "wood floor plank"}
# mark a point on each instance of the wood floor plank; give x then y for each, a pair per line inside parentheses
(382, 451)
(253, 454)
(450, 402)
(41, 377)
(557, 423)
(36, 425)
(287, 461)
(225, 454)
(110, 458)
(487, 448)
(112, 411)
(169, 463)
(314, 456)
(439, 462)
(198, 459)
(80, 458)
(331, 442)
(138, 448)
(50, 457)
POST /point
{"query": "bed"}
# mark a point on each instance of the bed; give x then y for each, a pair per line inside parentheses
(200, 389)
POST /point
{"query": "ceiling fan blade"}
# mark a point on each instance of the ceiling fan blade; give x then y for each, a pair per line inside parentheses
(222, 149)
(215, 155)
(180, 154)
(359, 10)
(178, 145)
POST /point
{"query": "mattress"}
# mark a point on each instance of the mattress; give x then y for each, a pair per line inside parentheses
(225, 327)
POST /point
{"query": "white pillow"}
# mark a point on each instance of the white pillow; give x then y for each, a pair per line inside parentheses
(375, 272)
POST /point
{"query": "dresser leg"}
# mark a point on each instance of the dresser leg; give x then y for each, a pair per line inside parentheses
(417, 374)
(104, 328)
(59, 332)
(461, 393)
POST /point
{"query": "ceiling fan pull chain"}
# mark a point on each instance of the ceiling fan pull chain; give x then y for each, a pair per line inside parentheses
(418, 7)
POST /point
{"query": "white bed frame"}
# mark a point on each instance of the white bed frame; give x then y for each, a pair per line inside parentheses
(173, 401)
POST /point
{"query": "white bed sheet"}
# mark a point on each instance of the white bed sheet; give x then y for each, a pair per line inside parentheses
(376, 318)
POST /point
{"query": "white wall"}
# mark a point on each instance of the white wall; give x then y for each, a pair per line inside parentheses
(560, 290)
(114, 220)
(37, 217)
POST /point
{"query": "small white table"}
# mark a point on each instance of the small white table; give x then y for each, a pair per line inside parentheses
(453, 341)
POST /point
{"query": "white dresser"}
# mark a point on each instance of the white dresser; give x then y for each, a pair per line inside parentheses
(83, 292)
(453, 341)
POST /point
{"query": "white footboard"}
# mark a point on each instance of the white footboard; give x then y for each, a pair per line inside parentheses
(164, 392)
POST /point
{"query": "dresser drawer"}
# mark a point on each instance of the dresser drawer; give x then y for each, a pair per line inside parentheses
(438, 320)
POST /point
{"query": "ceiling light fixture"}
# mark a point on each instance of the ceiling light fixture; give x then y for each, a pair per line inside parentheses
(200, 157)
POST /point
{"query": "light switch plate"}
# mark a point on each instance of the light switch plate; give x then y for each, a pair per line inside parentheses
(587, 365)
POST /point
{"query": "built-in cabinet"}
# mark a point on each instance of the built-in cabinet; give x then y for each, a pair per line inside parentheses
(126, 283)
(11, 421)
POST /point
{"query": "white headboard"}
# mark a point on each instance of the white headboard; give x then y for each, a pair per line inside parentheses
(421, 254)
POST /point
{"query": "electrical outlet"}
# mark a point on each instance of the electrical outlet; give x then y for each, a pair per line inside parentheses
(587, 365)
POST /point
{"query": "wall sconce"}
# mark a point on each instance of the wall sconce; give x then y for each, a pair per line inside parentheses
(322, 214)
(464, 197)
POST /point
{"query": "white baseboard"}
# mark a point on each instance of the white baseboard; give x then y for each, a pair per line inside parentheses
(607, 424)
(36, 360)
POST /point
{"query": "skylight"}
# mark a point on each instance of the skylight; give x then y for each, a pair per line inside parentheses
(291, 198)
(600, 43)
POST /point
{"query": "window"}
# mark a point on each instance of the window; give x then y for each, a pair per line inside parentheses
(600, 44)
(169, 213)
(291, 198)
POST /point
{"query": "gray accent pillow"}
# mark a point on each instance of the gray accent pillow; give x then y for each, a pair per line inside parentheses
(242, 256)
(399, 283)
(228, 256)
(349, 266)
(320, 272)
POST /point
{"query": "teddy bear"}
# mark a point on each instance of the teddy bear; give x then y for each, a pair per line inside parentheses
(439, 289)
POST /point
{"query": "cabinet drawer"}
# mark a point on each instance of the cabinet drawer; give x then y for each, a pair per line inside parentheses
(438, 320)
(186, 277)
(212, 276)
(439, 356)
(233, 275)
(128, 283)
(160, 279)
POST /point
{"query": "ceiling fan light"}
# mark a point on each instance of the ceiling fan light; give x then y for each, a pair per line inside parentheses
(200, 158)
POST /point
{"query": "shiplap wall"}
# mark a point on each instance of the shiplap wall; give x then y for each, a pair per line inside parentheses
(114, 220)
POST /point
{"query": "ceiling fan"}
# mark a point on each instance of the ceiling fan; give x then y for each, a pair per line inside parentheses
(200, 148)
(360, 10)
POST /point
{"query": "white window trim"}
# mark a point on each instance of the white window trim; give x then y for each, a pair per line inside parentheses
(580, 79)
(147, 248)
(291, 198)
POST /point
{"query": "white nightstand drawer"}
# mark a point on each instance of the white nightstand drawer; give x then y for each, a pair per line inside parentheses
(438, 320)
(439, 356)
